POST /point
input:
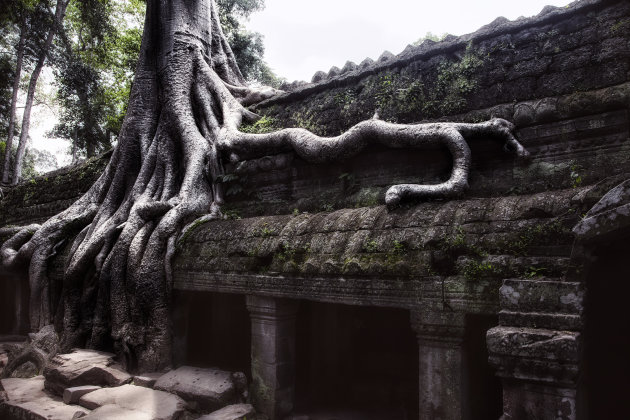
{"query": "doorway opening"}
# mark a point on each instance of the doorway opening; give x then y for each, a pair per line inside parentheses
(605, 362)
(211, 330)
(355, 362)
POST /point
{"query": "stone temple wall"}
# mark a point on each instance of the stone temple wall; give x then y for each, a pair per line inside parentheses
(516, 250)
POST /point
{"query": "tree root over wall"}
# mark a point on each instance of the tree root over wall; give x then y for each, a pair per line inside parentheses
(187, 104)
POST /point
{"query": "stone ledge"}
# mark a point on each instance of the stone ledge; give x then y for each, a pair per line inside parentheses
(536, 355)
(542, 295)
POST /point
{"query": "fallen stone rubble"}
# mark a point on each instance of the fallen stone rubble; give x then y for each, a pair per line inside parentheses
(90, 385)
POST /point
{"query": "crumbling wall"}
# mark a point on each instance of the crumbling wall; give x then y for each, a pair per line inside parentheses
(508, 247)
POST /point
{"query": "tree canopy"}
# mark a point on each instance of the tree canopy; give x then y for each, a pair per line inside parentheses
(93, 58)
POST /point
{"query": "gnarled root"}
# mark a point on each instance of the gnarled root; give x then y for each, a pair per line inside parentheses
(314, 148)
(41, 347)
(186, 106)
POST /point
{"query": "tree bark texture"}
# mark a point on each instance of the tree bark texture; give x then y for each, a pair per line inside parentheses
(185, 110)
(6, 166)
(60, 11)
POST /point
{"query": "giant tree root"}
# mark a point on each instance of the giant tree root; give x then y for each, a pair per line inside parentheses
(185, 110)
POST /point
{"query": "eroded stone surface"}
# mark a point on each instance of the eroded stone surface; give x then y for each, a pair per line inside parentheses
(140, 401)
(210, 388)
(609, 218)
(27, 399)
(83, 367)
(147, 380)
(231, 412)
(72, 395)
(112, 412)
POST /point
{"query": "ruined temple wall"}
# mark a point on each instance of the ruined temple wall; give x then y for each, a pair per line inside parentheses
(561, 77)
(562, 51)
(505, 250)
(42, 197)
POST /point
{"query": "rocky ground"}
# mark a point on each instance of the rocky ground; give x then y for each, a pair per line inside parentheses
(90, 384)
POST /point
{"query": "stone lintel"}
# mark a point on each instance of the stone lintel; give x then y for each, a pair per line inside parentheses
(436, 328)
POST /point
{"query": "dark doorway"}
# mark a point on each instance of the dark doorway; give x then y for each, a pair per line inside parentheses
(606, 358)
(211, 330)
(485, 393)
(14, 297)
(355, 363)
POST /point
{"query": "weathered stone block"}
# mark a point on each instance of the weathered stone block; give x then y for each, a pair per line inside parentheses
(147, 380)
(27, 399)
(210, 388)
(542, 296)
(72, 395)
(83, 367)
(232, 412)
(140, 401)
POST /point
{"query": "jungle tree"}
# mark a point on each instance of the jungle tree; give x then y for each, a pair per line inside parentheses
(185, 110)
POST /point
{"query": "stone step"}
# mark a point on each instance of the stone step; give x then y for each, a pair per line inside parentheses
(83, 367)
(231, 412)
(131, 401)
(211, 389)
(545, 295)
(28, 400)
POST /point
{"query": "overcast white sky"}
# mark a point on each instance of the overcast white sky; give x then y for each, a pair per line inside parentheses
(304, 36)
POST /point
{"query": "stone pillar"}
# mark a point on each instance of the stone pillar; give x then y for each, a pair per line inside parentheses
(443, 391)
(273, 355)
(536, 348)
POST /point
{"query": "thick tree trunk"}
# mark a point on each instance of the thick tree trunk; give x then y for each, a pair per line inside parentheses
(60, 11)
(6, 166)
(185, 109)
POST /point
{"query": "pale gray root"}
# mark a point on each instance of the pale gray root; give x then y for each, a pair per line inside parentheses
(249, 95)
(314, 148)
(41, 346)
(185, 109)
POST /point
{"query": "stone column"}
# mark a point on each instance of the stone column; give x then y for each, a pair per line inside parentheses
(273, 354)
(536, 348)
(443, 393)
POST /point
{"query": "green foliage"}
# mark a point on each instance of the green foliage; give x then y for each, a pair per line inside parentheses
(576, 178)
(532, 272)
(398, 247)
(266, 231)
(396, 253)
(94, 70)
(35, 161)
(290, 253)
(236, 185)
(231, 214)
(442, 93)
(247, 46)
(188, 232)
(430, 36)
(370, 246)
(263, 125)
(456, 244)
(620, 27)
(550, 233)
(474, 270)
